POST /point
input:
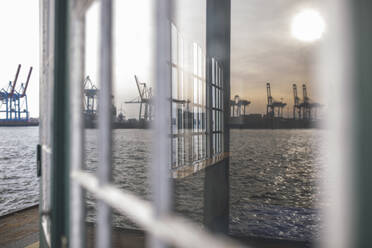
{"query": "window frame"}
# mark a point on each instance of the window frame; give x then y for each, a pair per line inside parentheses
(68, 227)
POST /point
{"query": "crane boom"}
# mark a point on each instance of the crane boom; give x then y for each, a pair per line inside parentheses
(86, 81)
(269, 97)
(138, 87)
(28, 79)
(304, 93)
(295, 96)
(15, 81)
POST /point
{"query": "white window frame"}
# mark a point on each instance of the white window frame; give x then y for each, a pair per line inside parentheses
(155, 218)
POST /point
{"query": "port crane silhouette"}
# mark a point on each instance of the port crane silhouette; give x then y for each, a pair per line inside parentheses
(13, 102)
(238, 106)
(90, 98)
(144, 100)
(273, 105)
(305, 108)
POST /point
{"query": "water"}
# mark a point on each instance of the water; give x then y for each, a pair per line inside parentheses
(19, 185)
(273, 177)
(275, 183)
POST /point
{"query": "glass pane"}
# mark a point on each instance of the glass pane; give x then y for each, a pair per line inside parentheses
(175, 44)
(213, 71)
(132, 107)
(276, 161)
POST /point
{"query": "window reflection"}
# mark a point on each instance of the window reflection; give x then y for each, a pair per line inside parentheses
(188, 101)
(217, 107)
(191, 133)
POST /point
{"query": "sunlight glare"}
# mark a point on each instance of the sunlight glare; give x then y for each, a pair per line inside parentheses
(308, 25)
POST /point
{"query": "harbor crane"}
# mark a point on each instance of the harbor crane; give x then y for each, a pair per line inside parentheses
(90, 98)
(305, 108)
(296, 105)
(238, 106)
(13, 102)
(273, 105)
(91, 93)
(144, 99)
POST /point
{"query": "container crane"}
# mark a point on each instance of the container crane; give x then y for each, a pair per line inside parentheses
(269, 106)
(28, 79)
(272, 104)
(238, 106)
(90, 98)
(245, 103)
(306, 110)
(145, 100)
(15, 81)
(306, 107)
(13, 103)
(296, 105)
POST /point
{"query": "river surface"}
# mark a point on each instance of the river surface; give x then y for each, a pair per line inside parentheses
(274, 176)
(19, 185)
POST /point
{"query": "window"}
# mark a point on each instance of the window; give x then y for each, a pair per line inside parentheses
(61, 126)
(190, 112)
(182, 133)
(217, 107)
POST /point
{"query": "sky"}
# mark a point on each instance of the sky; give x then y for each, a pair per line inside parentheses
(134, 44)
(19, 44)
(133, 50)
(262, 48)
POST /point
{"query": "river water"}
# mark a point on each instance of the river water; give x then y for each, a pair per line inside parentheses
(19, 186)
(274, 176)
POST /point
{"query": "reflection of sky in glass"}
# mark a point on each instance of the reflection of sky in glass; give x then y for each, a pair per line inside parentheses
(133, 44)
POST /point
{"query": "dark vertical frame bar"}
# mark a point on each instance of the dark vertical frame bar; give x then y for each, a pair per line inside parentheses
(362, 50)
(208, 90)
(59, 176)
(216, 184)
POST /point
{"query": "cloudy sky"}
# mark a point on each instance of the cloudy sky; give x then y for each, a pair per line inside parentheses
(262, 48)
(19, 44)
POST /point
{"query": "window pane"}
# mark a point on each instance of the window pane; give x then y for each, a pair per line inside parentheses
(275, 153)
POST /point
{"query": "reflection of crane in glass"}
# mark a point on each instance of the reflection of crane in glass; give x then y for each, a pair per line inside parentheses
(90, 97)
(238, 106)
(144, 99)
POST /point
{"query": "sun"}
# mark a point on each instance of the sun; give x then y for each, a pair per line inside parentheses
(308, 25)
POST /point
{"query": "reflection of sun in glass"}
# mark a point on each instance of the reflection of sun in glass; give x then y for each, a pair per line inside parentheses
(308, 25)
